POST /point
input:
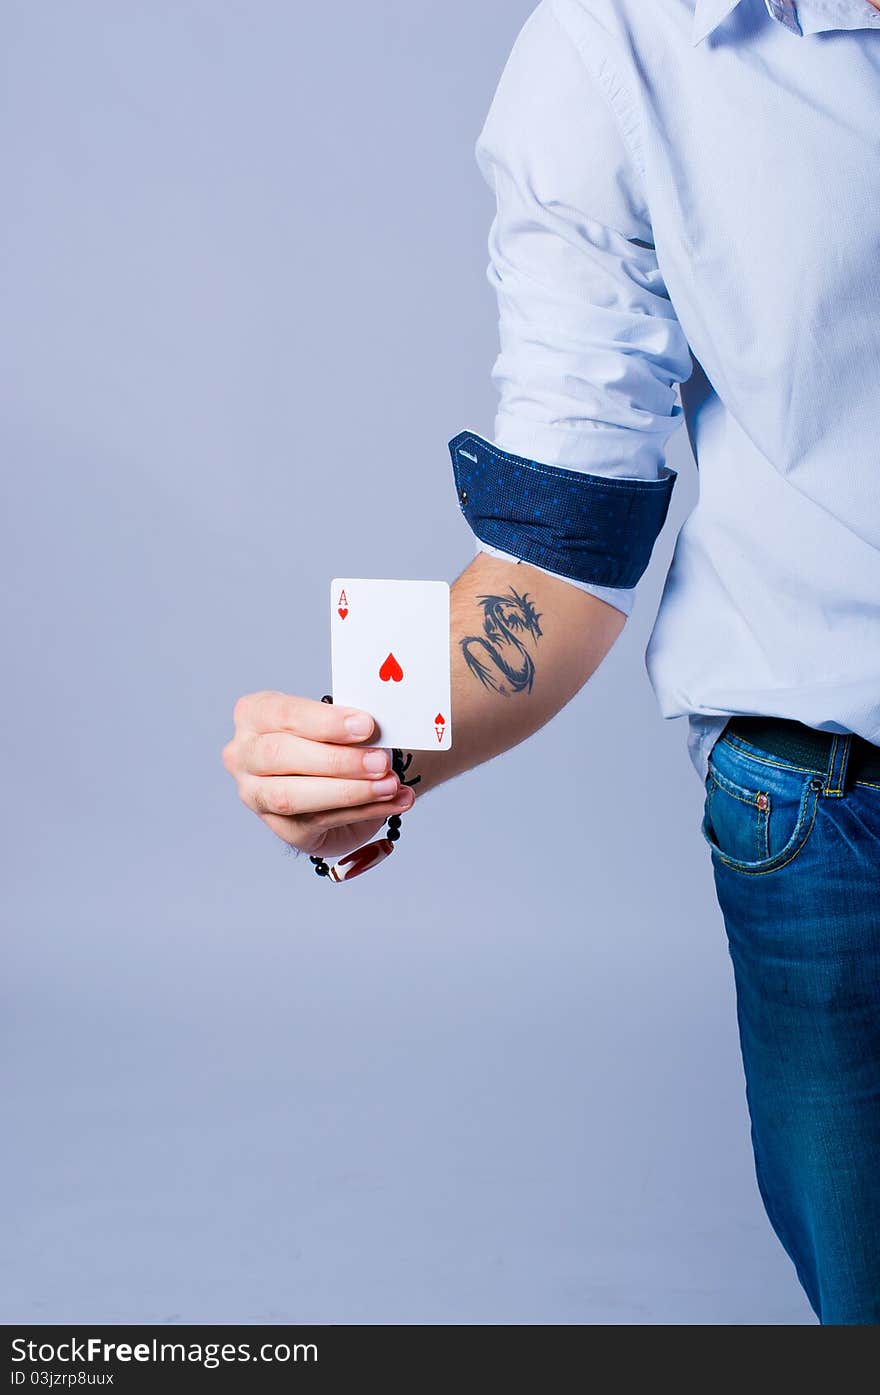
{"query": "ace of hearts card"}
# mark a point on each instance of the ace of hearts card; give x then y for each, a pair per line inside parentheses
(390, 656)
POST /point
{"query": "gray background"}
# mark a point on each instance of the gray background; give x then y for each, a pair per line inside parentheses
(244, 309)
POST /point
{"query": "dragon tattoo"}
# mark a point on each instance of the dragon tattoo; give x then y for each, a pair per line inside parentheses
(499, 652)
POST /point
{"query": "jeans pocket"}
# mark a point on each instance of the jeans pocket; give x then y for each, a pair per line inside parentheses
(757, 814)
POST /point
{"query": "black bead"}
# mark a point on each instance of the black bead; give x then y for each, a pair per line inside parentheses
(322, 870)
(393, 835)
(394, 821)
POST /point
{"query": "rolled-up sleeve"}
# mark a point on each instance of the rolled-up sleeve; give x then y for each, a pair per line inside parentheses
(574, 478)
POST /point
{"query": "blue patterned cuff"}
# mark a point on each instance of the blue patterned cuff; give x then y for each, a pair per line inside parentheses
(591, 527)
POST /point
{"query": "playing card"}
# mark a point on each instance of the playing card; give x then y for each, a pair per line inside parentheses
(389, 645)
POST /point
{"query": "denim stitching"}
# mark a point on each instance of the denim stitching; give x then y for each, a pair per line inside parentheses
(765, 759)
(762, 815)
(846, 743)
(777, 866)
(751, 751)
(830, 769)
(553, 471)
(762, 827)
(732, 788)
(738, 867)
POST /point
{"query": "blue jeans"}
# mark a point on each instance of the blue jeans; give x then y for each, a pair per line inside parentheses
(796, 860)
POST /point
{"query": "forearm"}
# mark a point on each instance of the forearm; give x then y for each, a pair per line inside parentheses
(522, 644)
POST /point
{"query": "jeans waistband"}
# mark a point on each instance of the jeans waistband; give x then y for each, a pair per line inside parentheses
(848, 756)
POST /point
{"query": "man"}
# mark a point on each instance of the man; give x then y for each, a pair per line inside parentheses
(688, 200)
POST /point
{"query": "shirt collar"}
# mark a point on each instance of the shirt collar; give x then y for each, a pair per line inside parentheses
(708, 14)
(807, 17)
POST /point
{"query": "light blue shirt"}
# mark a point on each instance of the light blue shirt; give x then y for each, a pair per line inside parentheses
(688, 230)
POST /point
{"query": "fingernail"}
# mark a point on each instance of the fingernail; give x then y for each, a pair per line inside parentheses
(359, 724)
(386, 786)
(407, 798)
(375, 762)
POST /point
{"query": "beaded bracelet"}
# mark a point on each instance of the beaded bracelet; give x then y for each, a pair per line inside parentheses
(362, 859)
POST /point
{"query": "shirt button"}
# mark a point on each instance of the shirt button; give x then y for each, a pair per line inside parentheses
(462, 494)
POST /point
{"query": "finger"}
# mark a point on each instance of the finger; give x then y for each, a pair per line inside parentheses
(292, 795)
(318, 721)
(292, 830)
(376, 809)
(282, 753)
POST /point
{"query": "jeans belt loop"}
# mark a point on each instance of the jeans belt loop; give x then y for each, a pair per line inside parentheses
(835, 776)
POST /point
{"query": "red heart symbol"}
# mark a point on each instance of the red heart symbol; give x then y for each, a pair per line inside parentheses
(391, 669)
(343, 611)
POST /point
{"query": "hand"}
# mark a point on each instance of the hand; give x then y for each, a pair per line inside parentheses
(309, 777)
